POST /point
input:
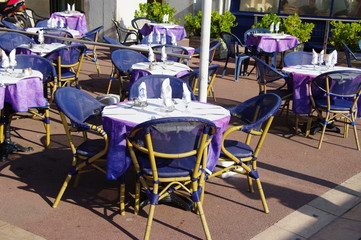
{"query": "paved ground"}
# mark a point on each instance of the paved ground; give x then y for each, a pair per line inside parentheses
(312, 194)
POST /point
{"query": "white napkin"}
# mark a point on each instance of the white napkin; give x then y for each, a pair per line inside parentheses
(277, 28)
(166, 94)
(142, 92)
(61, 23)
(150, 54)
(166, 18)
(73, 7)
(150, 38)
(174, 40)
(328, 60)
(314, 57)
(12, 58)
(68, 7)
(334, 58)
(41, 37)
(272, 27)
(157, 39)
(164, 55)
(164, 39)
(186, 94)
(321, 57)
(5, 63)
(50, 22)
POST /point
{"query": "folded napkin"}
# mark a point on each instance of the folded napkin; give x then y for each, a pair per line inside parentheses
(166, 94)
(164, 55)
(173, 39)
(73, 7)
(61, 23)
(186, 94)
(157, 39)
(41, 37)
(166, 18)
(277, 28)
(5, 63)
(321, 57)
(272, 27)
(150, 38)
(12, 58)
(68, 8)
(314, 57)
(142, 93)
(150, 54)
(164, 39)
(334, 58)
(328, 61)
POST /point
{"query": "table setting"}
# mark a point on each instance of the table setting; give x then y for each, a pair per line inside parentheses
(301, 75)
(72, 19)
(162, 33)
(166, 67)
(20, 89)
(118, 119)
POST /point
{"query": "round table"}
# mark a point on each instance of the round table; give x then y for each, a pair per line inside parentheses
(120, 118)
(301, 75)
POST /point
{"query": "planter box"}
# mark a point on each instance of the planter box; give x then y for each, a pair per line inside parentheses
(221, 52)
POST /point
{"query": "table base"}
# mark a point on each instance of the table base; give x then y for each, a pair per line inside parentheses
(173, 199)
(8, 147)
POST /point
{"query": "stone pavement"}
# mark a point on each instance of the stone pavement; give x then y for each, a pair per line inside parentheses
(306, 188)
(334, 215)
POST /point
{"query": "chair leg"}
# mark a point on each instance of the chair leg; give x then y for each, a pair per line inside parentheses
(353, 118)
(237, 70)
(149, 222)
(225, 67)
(261, 193)
(47, 127)
(62, 190)
(199, 207)
(323, 130)
(250, 184)
(122, 199)
(137, 197)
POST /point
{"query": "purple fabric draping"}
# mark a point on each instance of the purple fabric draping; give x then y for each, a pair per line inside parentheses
(26, 93)
(75, 22)
(301, 96)
(177, 30)
(2, 97)
(118, 159)
(270, 44)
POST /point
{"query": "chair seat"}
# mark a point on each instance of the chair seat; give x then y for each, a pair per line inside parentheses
(180, 167)
(90, 148)
(336, 104)
(67, 73)
(237, 149)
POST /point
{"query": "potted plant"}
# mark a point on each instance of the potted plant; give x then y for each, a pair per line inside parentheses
(292, 25)
(349, 33)
(155, 11)
(219, 23)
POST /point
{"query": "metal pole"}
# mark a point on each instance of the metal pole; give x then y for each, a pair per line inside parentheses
(204, 55)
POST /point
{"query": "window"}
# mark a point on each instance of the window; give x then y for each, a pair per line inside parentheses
(320, 8)
(261, 6)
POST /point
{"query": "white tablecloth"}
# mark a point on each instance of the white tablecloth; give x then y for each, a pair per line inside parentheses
(12, 77)
(168, 68)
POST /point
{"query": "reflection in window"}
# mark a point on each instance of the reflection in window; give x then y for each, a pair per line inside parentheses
(347, 8)
(262, 6)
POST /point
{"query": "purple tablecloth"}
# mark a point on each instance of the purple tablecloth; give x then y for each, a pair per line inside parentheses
(26, 93)
(118, 159)
(267, 43)
(164, 29)
(75, 22)
(301, 96)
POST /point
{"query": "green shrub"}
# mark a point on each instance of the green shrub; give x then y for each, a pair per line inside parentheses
(349, 33)
(156, 11)
(219, 23)
(292, 25)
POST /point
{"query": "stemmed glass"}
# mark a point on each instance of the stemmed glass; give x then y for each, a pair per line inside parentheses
(314, 62)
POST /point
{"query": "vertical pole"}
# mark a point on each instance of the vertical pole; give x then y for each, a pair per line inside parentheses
(204, 55)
